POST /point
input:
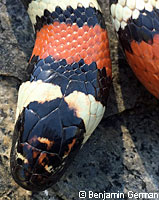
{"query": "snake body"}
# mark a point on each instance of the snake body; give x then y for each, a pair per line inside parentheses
(136, 23)
(65, 98)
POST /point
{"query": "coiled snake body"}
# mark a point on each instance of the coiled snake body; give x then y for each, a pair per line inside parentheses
(65, 98)
(136, 23)
(70, 76)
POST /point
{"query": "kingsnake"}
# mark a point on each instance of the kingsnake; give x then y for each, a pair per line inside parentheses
(70, 76)
(65, 98)
(136, 23)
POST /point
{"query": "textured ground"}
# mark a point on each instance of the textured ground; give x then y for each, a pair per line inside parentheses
(123, 152)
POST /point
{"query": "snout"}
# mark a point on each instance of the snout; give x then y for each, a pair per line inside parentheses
(33, 169)
(28, 180)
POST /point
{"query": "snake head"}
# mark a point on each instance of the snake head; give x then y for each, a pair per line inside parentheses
(46, 137)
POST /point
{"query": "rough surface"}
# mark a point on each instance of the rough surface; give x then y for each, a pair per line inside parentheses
(123, 152)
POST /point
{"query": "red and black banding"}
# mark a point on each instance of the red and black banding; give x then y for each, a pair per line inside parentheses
(141, 29)
(73, 35)
(71, 50)
(75, 43)
(140, 41)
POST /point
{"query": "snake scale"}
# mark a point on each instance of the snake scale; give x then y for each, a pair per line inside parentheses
(70, 72)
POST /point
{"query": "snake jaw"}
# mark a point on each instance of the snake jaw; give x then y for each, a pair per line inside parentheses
(65, 99)
(39, 162)
(51, 126)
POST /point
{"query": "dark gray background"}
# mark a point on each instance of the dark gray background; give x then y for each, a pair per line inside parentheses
(123, 152)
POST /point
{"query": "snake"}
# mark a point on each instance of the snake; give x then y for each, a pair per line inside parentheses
(136, 23)
(70, 75)
(65, 96)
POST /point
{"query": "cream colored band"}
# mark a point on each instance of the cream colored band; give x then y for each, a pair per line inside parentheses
(125, 9)
(37, 7)
(86, 107)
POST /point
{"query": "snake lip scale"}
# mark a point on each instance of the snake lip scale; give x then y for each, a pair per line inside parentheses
(65, 97)
(70, 72)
